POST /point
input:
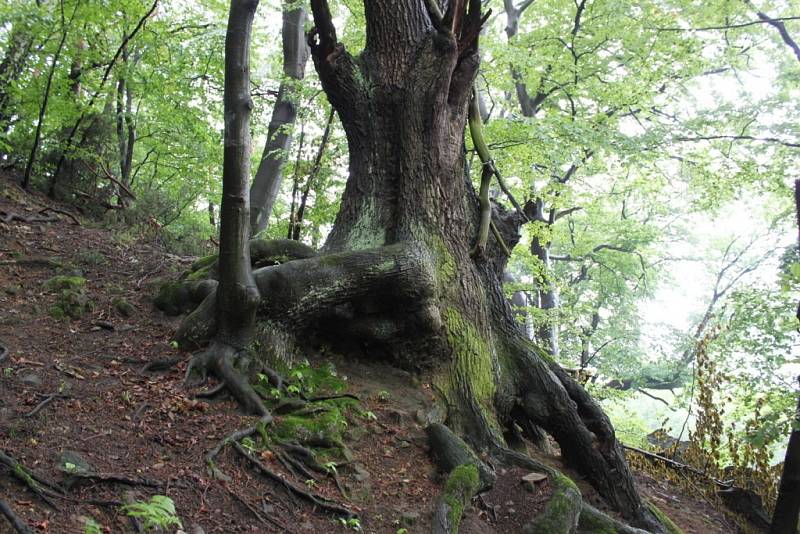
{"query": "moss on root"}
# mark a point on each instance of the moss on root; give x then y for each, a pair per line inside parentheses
(170, 298)
(562, 511)
(461, 485)
(472, 373)
(671, 527)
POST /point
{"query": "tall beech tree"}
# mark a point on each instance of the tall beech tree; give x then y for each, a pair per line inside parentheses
(397, 275)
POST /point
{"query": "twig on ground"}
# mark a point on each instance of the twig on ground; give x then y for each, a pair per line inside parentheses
(15, 521)
(47, 400)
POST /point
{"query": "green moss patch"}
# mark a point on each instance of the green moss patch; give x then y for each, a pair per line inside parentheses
(60, 283)
(562, 511)
(72, 301)
(461, 485)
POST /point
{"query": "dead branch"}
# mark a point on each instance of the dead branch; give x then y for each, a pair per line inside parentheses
(677, 465)
(61, 212)
(8, 217)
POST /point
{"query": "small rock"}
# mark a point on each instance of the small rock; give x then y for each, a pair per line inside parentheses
(396, 416)
(197, 529)
(530, 480)
(403, 444)
(509, 504)
(347, 453)
(73, 463)
(511, 511)
(123, 307)
(408, 519)
(31, 379)
(360, 474)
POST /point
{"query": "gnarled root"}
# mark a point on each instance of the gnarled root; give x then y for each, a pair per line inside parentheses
(219, 359)
(317, 500)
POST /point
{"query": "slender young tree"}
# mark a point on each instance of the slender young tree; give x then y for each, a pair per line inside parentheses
(236, 300)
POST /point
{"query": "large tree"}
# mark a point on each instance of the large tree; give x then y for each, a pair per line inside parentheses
(400, 272)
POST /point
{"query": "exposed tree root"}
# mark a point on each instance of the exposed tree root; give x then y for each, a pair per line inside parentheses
(9, 217)
(218, 358)
(321, 502)
(264, 518)
(210, 393)
(334, 397)
(590, 519)
(62, 212)
(593, 520)
(450, 451)
(120, 479)
(462, 484)
(211, 455)
(43, 488)
(34, 262)
(15, 521)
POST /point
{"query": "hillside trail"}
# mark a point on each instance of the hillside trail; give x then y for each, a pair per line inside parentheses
(75, 400)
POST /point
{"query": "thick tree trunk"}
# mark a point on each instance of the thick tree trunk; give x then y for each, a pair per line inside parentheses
(267, 181)
(398, 260)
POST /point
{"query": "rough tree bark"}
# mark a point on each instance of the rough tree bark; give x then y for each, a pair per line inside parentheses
(267, 181)
(396, 276)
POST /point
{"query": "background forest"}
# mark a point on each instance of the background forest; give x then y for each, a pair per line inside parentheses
(651, 145)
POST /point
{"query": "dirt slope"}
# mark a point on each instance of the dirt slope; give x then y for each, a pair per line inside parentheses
(72, 390)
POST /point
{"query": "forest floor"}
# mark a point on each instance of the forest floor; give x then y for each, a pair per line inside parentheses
(73, 396)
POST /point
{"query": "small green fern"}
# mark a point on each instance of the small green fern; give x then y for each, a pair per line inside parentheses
(158, 513)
